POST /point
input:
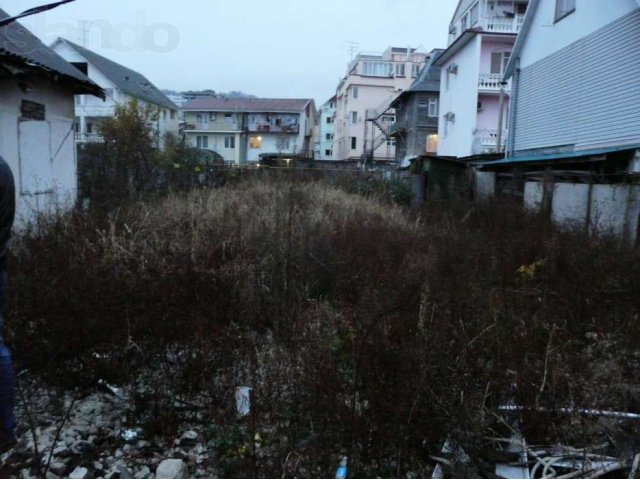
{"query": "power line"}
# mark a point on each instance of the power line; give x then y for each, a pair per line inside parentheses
(33, 11)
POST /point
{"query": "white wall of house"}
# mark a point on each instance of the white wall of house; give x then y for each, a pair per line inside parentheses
(269, 143)
(326, 134)
(551, 36)
(219, 143)
(459, 96)
(578, 84)
(44, 170)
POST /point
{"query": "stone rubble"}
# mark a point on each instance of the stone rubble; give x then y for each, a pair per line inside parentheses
(90, 443)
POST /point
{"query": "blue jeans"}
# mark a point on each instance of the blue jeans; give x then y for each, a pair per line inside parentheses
(7, 377)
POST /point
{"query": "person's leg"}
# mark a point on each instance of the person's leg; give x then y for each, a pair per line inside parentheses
(7, 381)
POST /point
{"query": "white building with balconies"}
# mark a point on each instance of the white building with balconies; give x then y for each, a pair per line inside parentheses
(474, 101)
(121, 85)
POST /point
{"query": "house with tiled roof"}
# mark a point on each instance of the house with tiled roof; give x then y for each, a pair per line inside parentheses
(37, 89)
(121, 85)
(247, 129)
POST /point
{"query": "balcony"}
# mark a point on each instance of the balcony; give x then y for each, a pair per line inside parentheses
(267, 127)
(487, 139)
(503, 24)
(89, 138)
(492, 82)
(95, 110)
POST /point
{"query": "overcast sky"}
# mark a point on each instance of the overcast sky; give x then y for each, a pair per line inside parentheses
(268, 48)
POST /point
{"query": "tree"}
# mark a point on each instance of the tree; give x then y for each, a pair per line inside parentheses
(130, 159)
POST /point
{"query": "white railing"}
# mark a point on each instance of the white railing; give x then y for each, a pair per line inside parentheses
(89, 138)
(95, 110)
(488, 138)
(504, 24)
(492, 82)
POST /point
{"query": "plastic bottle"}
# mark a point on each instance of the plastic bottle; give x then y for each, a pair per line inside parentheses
(342, 469)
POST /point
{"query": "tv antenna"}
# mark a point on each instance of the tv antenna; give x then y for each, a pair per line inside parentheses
(352, 48)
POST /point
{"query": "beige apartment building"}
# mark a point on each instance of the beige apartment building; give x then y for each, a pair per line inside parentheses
(364, 96)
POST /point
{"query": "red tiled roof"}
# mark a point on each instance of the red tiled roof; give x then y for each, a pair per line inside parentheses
(249, 104)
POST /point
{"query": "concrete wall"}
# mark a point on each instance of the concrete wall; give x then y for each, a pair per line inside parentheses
(327, 111)
(602, 208)
(41, 154)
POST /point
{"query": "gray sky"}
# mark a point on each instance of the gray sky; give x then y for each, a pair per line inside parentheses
(268, 48)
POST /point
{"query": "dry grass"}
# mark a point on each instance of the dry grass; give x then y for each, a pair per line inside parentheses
(362, 328)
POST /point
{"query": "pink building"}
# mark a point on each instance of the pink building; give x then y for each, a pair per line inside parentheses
(363, 114)
(474, 102)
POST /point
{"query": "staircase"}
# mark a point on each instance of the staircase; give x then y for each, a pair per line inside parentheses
(382, 129)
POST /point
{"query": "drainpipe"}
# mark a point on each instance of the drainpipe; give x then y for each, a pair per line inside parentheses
(500, 118)
(512, 111)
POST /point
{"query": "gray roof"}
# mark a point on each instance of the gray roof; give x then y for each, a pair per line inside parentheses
(20, 45)
(249, 104)
(129, 81)
(429, 78)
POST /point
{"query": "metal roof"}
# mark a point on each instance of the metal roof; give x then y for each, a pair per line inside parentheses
(249, 104)
(129, 81)
(19, 44)
(557, 156)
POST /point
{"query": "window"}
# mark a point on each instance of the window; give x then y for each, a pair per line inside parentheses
(474, 14)
(433, 107)
(329, 119)
(391, 142)
(354, 92)
(202, 141)
(212, 117)
(354, 117)
(388, 118)
(328, 153)
(415, 70)
(328, 136)
(377, 69)
(399, 69)
(230, 141)
(464, 23)
(202, 118)
(354, 143)
(173, 114)
(499, 62)
(228, 117)
(164, 115)
(564, 8)
(255, 142)
(432, 143)
(79, 99)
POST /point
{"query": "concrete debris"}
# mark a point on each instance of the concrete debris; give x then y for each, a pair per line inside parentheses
(79, 472)
(172, 468)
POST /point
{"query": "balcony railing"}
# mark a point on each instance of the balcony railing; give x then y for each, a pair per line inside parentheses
(95, 110)
(267, 127)
(504, 24)
(89, 138)
(492, 82)
(488, 139)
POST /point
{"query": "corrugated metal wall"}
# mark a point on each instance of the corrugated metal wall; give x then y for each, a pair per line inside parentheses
(586, 95)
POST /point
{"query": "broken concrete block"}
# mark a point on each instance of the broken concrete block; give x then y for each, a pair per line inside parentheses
(172, 468)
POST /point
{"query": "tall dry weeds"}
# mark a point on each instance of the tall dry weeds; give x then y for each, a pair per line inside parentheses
(363, 330)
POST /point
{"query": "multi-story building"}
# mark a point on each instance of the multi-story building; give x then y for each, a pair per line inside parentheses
(243, 129)
(326, 134)
(416, 127)
(473, 100)
(121, 85)
(363, 99)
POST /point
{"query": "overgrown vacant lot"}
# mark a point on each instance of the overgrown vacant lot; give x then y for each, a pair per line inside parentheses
(363, 329)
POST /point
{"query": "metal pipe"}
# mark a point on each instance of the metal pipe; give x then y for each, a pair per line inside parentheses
(500, 118)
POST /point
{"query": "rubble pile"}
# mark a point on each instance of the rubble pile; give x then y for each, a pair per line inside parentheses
(89, 437)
